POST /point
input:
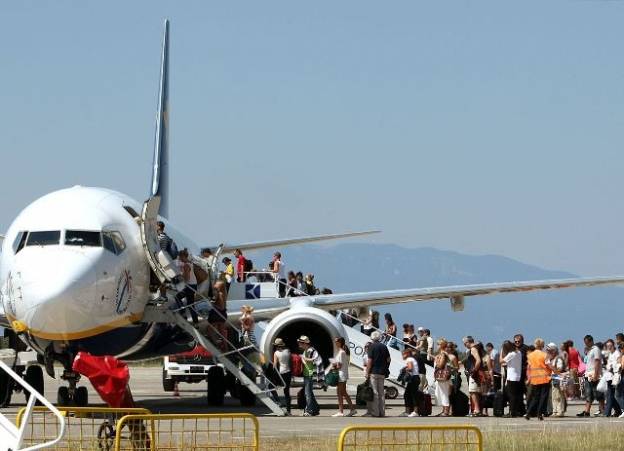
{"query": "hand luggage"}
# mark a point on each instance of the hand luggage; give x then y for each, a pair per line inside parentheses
(364, 393)
(423, 404)
(460, 404)
(301, 401)
(499, 404)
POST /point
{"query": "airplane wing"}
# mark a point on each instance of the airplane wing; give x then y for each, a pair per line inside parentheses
(227, 248)
(271, 307)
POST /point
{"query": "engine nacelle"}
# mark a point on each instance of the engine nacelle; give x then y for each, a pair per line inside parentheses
(321, 327)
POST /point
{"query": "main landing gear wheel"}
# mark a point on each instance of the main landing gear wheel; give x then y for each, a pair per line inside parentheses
(216, 386)
(62, 397)
(81, 397)
(34, 377)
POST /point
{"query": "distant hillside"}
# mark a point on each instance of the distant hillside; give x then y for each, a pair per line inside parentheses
(553, 315)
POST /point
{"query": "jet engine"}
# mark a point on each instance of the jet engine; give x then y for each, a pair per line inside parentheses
(318, 325)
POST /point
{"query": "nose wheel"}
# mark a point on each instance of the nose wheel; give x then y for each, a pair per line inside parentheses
(72, 395)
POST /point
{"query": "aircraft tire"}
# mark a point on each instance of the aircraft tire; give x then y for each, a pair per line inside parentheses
(34, 377)
(62, 397)
(216, 386)
(81, 397)
(168, 384)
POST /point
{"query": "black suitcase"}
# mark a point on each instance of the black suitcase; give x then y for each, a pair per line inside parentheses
(424, 406)
(499, 404)
(301, 401)
(460, 404)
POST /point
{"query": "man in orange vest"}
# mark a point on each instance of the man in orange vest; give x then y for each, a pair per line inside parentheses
(538, 375)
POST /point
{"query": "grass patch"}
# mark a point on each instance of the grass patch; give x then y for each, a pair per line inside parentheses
(549, 438)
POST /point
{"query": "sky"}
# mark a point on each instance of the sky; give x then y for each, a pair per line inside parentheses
(481, 127)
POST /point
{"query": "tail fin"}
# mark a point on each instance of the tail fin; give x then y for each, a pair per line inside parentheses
(160, 174)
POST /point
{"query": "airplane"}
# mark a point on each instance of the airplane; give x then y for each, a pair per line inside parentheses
(78, 266)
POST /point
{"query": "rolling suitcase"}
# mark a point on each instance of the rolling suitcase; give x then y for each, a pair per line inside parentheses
(301, 401)
(423, 404)
(460, 404)
(499, 404)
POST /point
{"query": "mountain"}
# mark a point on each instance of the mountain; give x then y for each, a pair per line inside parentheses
(552, 315)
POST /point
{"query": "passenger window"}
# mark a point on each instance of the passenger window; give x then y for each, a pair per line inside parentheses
(46, 238)
(82, 238)
(113, 241)
(20, 241)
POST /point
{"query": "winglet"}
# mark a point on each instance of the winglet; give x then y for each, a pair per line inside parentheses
(160, 174)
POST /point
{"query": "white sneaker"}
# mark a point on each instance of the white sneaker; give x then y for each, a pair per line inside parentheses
(352, 413)
(622, 415)
(413, 414)
(338, 414)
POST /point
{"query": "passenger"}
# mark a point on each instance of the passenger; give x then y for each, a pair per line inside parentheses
(376, 370)
(618, 380)
(208, 263)
(556, 363)
(511, 359)
(476, 377)
(301, 285)
(444, 365)
(309, 359)
(391, 332)
(281, 362)
(165, 241)
(367, 327)
(407, 334)
(496, 366)
(341, 363)
(292, 285)
(279, 271)
(241, 262)
(574, 360)
(524, 349)
(593, 372)
(412, 379)
(218, 314)
(247, 325)
(539, 376)
(612, 367)
(429, 338)
(310, 289)
(190, 285)
(228, 273)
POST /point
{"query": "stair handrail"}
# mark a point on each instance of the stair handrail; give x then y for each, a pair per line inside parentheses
(34, 397)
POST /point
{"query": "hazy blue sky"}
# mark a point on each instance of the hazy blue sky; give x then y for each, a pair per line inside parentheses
(481, 127)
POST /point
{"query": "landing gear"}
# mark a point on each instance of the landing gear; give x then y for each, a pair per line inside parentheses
(34, 377)
(72, 395)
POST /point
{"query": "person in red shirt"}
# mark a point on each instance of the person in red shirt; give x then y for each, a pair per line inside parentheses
(240, 266)
(574, 359)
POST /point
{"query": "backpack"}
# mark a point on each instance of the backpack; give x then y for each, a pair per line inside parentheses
(248, 266)
(296, 365)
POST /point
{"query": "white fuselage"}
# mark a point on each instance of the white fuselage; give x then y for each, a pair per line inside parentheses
(86, 277)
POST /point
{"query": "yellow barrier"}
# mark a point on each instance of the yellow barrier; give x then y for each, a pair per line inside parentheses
(430, 438)
(188, 432)
(89, 428)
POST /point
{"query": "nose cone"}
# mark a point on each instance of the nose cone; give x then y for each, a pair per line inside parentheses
(53, 290)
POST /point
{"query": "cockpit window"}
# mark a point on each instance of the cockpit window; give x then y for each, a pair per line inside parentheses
(20, 241)
(83, 238)
(46, 238)
(114, 242)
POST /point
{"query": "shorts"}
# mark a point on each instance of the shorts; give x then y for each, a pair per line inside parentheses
(591, 393)
(217, 315)
(342, 377)
(474, 386)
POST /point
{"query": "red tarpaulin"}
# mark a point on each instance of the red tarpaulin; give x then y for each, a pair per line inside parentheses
(108, 376)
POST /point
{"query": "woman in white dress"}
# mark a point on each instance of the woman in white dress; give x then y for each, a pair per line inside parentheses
(341, 363)
(444, 366)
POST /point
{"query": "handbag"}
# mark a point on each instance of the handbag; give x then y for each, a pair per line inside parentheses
(442, 374)
(332, 378)
(364, 392)
(617, 378)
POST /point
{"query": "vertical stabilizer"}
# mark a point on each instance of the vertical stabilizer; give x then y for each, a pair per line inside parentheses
(160, 174)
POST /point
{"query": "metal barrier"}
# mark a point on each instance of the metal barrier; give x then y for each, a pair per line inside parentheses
(91, 428)
(188, 432)
(430, 438)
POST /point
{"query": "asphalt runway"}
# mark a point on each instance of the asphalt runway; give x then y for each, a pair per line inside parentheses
(147, 390)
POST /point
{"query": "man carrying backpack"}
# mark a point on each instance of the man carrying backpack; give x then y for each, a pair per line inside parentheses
(310, 358)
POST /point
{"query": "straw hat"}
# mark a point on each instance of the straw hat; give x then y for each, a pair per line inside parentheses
(304, 339)
(279, 342)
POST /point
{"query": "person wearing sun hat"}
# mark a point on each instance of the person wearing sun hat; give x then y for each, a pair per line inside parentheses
(281, 362)
(309, 357)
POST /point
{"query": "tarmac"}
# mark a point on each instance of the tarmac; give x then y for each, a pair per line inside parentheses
(147, 391)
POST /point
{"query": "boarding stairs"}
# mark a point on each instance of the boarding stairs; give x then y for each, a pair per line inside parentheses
(12, 436)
